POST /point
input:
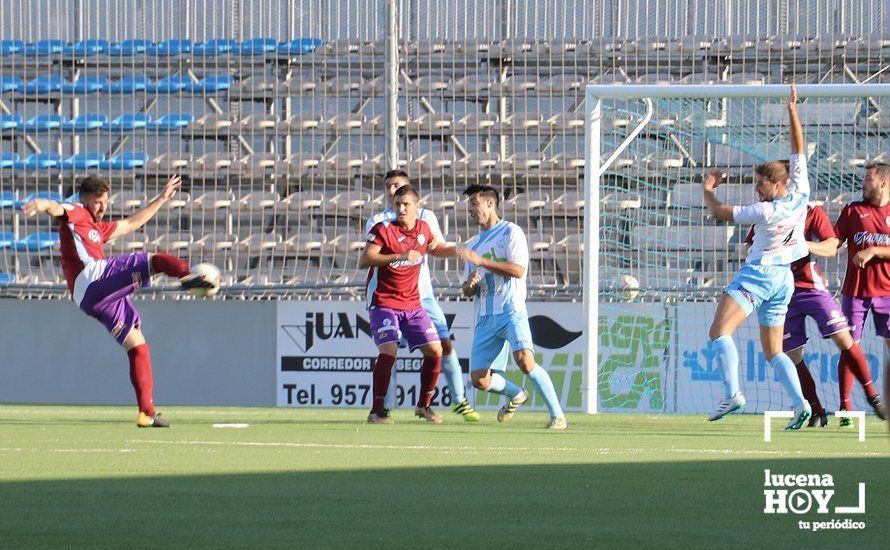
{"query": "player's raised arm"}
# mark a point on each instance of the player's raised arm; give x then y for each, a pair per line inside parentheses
(794, 126)
(39, 206)
(439, 249)
(140, 218)
(720, 211)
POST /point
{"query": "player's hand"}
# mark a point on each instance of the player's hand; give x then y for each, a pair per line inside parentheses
(792, 99)
(413, 256)
(474, 279)
(173, 185)
(469, 255)
(31, 208)
(712, 180)
(863, 257)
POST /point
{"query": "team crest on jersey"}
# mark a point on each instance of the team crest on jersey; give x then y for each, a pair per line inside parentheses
(421, 239)
(94, 236)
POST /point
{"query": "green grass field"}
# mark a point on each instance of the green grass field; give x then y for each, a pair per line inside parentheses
(86, 476)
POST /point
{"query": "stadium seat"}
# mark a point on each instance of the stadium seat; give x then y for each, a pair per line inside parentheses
(43, 85)
(169, 85)
(345, 122)
(10, 47)
(565, 162)
(37, 241)
(215, 47)
(130, 47)
(86, 85)
(83, 161)
(562, 84)
(167, 163)
(303, 122)
(476, 122)
(86, 48)
(125, 161)
(257, 201)
(211, 84)
(8, 160)
(300, 46)
(431, 123)
(10, 84)
(522, 84)
(302, 201)
(126, 202)
(347, 162)
(7, 240)
(8, 199)
(170, 242)
(347, 203)
(130, 122)
(213, 123)
(126, 244)
(45, 123)
(571, 202)
(256, 243)
(170, 48)
(304, 162)
(260, 123)
(171, 123)
(40, 161)
(441, 200)
(260, 164)
(85, 123)
(347, 243)
(427, 84)
(258, 46)
(214, 242)
(7, 279)
(524, 203)
(214, 200)
(212, 163)
(301, 244)
(522, 122)
(129, 85)
(45, 48)
(473, 85)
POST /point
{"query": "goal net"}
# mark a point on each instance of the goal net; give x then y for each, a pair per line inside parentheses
(657, 260)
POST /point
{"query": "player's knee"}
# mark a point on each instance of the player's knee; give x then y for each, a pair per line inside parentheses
(525, 360)
(447, 348)
(481, 382)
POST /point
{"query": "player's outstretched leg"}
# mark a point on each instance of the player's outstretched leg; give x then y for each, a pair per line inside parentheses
(172, 266)
(142, 380)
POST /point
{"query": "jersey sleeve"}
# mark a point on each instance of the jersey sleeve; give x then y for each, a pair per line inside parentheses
(752, 214)
(74, 213)
(369, 225)
(375, 235)
(106, 229)
(822, 228)
(799, 179)
(517, 247)
(749, 239)
(840, 227)
(430, 218)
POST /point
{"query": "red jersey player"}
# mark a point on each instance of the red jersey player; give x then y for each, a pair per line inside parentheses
(102, 286)
(812, 299)
(394, 253)
(865, 226)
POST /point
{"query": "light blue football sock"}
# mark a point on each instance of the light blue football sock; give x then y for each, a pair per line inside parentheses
(500, 384)
(788, 377)
(544, 385)
(727, 358)
(454, 377)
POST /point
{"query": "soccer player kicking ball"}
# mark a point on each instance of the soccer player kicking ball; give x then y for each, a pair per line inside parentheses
(812, 299)
(865, 226)
(102, 286)
(394, 253)
(497, 263)
(393, 181)
(765, 283)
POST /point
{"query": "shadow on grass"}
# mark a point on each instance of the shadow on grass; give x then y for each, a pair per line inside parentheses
(690, 504)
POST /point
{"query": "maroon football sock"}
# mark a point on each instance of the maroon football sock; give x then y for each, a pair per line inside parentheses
(382, 373)
(858, 365)
(808, 385)
(429, 375)
(141, 378)
(169, 265)
(845, 381)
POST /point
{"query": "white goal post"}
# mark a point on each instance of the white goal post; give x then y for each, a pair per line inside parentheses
(595, 169)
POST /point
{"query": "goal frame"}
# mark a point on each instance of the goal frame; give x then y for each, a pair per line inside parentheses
(594, 169)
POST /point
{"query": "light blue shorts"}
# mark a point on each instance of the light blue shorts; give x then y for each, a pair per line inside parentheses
(492, 332)
(765, 288)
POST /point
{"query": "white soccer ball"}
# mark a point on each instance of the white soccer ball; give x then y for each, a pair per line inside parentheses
(209, 273)
(629, 287)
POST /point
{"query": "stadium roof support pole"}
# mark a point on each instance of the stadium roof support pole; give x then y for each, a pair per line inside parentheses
(391, 86)
(593, 172)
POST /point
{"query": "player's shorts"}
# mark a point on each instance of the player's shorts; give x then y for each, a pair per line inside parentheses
(856, 310)
(491, 333)
(437, 316)
(818, 304)
(765, 288)
(390, 325)
(107, 299)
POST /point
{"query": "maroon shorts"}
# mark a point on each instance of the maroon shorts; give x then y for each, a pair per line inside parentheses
(107, 299)
(817, 304)
(856, 310)
(389, 325)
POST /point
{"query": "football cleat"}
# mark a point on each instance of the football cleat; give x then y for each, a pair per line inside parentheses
(466, 410)
(801, 414)
(558, 423)
(507, 411)
(156, 421)
(380, 418)
(818, 420)
(845, 421)
(878, 406)
(192, 280)
(728, 405)
(427, 414)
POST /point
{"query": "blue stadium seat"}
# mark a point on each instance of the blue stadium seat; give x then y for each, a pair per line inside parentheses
(7, 240)
(8, 160)
(172, 122)
(129, 85)
(10, 84)
(45, 47)
(9, 47)
(37, 241)
(44, 85)
(7, 279)
(300, 46)
(40, 161)
(11, 122)
(86, 47)
(130, 122)
(45, 123)
(210, 84)
(169, 85)
(49, 195)
(8, 199)
(217, 46)
(85, 123)
(258, 46)
(125, 161)
(170, 47)
(130, 47)
(86, 85)
(83, 161)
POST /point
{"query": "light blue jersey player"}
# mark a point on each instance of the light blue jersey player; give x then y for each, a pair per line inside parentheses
(495, 272)
(392, 181)
(765, 283)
